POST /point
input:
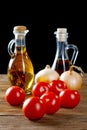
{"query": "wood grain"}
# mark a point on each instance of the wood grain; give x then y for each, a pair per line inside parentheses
(12, 118)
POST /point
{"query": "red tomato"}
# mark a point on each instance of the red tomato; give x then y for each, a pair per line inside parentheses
(40, 88)
(69, 98)
(57, 86)
(33, 108)
(51, 101)
(15, 95)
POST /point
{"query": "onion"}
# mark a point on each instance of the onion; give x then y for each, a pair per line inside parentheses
(46, 75)
(72, 78)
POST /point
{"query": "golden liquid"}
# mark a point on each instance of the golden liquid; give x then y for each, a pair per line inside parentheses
(20, 70)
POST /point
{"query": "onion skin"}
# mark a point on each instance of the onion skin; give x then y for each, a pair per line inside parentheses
(72, 79)
(46, 75)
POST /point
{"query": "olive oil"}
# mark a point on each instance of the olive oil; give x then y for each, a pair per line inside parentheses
(20, 68)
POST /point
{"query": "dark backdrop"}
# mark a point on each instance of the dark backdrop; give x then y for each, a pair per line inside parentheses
(42, 20)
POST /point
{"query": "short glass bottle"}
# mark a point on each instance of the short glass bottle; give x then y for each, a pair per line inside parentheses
(62, 61)
(20, 68)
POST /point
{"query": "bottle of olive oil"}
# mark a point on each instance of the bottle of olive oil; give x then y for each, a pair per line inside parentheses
(20, 68)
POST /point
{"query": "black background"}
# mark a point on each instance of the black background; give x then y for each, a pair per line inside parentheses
(42, 20)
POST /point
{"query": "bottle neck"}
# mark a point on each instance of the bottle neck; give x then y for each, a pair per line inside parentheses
(20, 43)
(61, 40)
(61, 51)
(19, 40)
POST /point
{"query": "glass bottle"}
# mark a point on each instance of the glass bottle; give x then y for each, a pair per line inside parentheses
(20, 68)
(62, 61)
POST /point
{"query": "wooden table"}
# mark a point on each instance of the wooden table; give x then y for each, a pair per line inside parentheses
(12, 118)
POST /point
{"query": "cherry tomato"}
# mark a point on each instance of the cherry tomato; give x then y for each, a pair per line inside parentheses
(15, 95)
(57, 86)
(33, 108)
(69, 98)
(40, 88)
(51, 101)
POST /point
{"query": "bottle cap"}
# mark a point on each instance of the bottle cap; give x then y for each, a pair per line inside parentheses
(20, 28)
(61, 34)
(61, 30)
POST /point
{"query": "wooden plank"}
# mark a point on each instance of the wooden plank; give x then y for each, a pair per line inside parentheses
(12, 118)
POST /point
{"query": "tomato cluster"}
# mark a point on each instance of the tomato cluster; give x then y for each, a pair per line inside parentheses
(68, 98)
(46, 98)
(51, 97)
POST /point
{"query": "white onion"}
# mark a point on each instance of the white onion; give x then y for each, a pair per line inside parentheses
(72, 79)
(46, 75)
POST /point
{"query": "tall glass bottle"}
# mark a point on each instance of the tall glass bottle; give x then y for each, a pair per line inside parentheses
(20, 68)
(62, 61)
